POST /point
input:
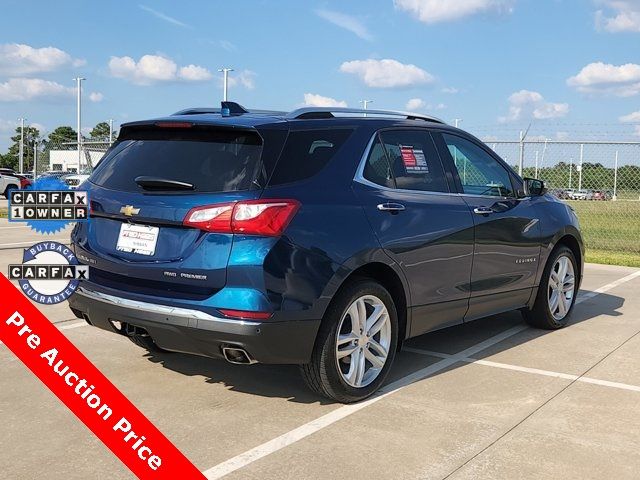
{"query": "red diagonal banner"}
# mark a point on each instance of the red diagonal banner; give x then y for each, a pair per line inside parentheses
(87, 392)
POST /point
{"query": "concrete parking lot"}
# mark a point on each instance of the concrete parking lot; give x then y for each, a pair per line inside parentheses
(493, 399)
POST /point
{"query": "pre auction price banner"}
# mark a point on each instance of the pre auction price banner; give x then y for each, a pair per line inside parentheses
(87, 392)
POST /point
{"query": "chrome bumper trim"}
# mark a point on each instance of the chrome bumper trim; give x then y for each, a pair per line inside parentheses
(160, 309)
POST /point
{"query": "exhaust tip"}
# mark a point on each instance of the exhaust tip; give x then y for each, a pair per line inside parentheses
(237, 356)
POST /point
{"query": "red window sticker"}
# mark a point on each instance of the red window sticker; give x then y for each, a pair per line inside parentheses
(413, 159)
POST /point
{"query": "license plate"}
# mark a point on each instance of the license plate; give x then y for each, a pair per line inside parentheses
(140, 239)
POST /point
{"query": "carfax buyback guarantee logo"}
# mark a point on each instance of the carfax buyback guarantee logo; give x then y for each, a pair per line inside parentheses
(49, 273)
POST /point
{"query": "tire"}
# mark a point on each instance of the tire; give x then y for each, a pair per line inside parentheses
(7, 191)
(146, 342)
(354, 377)
(541, 315)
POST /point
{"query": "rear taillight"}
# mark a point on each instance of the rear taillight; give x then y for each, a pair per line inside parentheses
(267, 217)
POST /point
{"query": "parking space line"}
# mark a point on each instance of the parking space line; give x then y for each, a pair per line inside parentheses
(68, 327)
(607, 287)
(309, 428)
(9, 246)
(536, 371)
(74, 325)
(330, 418)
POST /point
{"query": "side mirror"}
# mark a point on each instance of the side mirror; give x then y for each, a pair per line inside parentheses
(534, 187)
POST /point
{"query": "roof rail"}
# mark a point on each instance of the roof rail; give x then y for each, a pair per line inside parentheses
(328, 112)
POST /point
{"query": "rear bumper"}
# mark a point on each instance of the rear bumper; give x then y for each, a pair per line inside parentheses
(197, 332)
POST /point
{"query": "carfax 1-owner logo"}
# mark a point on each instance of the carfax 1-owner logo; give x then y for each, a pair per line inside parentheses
(48, 206)
(49, 273)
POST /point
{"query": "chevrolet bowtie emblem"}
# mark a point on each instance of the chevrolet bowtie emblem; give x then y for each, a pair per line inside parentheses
(129, 210)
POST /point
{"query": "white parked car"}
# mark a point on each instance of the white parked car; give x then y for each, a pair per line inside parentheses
(74, 180)
(8, 183)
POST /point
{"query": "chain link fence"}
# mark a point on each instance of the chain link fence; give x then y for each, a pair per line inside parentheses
(65, 159)
(600, 180)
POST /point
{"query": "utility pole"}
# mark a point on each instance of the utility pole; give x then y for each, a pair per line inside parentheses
(615, 178)
(35, 159)
(456, 122)
(21, 163)
(580, 169)
(79, 124)
(110, 131)
(225, 81)
(364, 104)
(521, 157)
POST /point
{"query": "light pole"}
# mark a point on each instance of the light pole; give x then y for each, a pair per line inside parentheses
(79, 125)
(21, 155)
(456, 122)
(364, 104)
(615, 178)
(225, 81)
(580, 169)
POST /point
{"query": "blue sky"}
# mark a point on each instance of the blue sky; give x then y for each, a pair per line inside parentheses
(570, 67)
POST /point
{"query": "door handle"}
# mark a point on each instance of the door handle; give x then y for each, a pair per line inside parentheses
(390, 207)
(483, 210)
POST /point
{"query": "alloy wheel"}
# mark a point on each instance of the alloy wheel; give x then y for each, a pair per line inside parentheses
(363, 340)
(561, 287)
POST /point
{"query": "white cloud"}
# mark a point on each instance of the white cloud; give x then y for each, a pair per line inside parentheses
(194, 73)
(435, 11)
(348, 22)
(387, 73)
(620, 16)
(450, 90)
(164, 17)
(551, 110)
(18, 59)
(96, 97)
(25, 89)
(415, 104)
(527, 104)
(604, 78)
(631, 118)
(155, 68)
(315, 100)
(418, 105)
(246, 78)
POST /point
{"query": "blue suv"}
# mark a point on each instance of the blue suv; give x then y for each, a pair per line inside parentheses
(319, 237)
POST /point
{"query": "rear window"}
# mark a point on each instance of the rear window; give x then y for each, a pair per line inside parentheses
(211, 160)
(306, 153)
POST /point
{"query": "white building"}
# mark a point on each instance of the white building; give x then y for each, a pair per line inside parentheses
(67, 160)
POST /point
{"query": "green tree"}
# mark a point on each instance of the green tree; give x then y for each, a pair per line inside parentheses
(12, 158)
(64, 134)
(100, 131)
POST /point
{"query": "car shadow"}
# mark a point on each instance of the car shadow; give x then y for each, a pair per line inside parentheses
(285, 381)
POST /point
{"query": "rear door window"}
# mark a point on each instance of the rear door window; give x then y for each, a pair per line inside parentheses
(414, 160)
(306, 153)
(212, 160)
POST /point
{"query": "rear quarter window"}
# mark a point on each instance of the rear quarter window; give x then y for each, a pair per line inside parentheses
(306, 153)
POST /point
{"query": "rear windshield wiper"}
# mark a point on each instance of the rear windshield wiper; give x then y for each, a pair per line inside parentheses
(156, 183)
